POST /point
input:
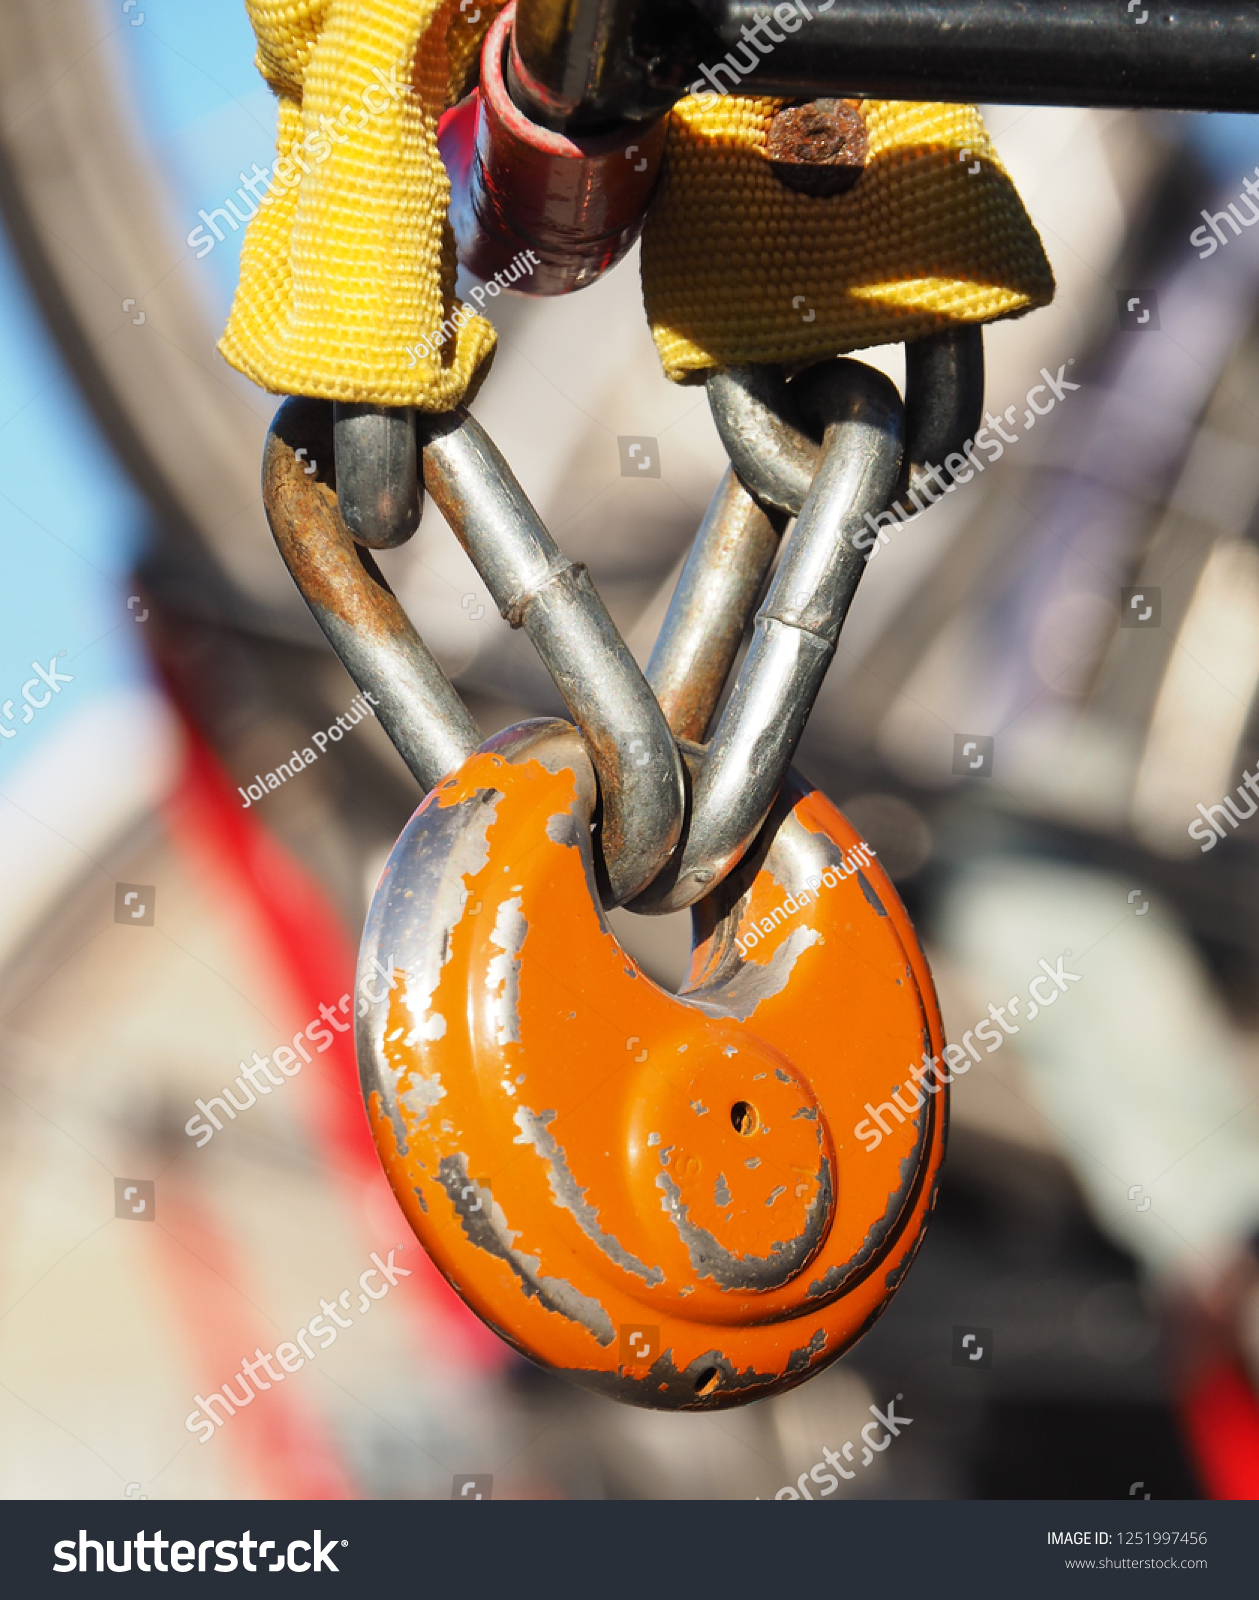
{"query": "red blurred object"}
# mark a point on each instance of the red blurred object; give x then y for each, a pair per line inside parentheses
(1220, 1413)
(578, 204)
(282, 1445)
(300, 937)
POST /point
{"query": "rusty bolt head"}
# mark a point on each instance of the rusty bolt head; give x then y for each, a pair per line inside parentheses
(820, 147)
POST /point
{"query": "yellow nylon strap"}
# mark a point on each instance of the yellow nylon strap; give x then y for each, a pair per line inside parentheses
(348, 267)
(739, 268)
(349, 263)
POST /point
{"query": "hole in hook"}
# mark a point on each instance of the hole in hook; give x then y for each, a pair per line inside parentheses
(743, 1118)
(708, 1380)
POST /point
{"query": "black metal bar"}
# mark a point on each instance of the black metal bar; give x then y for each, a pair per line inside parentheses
(590, 62)
(1199, 55)
(576, 64)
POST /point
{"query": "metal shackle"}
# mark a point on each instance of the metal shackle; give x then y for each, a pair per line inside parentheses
(535, 587)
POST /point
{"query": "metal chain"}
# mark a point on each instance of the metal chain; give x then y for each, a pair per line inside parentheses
(534, 587)
(658, 853)
(795, 630)
(538, 589)
(760, 423)
(416, 703)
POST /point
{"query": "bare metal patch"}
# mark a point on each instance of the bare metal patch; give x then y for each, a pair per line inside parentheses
(535, 1130)
(571, 828)
(867, 889)
(422, 1096)
(421, 897)
(486, 1227)
(834, 1278)
(799, 1359)
(503, 974)
(564, 828)
(739, 998)
(711, 1259)
(664, 1386)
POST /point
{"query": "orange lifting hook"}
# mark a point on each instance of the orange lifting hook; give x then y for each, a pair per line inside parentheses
(660, 1197)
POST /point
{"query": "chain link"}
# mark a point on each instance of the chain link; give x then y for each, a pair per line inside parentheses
(538, 589)
(659, 854)
(416, 703)
(770, 446)
(795, 631)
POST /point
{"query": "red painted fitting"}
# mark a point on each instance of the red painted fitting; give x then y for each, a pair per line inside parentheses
(577, 203)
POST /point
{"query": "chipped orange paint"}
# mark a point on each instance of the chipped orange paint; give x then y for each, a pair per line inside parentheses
(581, 1152)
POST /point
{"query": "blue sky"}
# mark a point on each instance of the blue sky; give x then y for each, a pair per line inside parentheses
(70, 525)
(207, 111)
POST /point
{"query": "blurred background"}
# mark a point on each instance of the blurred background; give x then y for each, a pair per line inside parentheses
(1100, 1203)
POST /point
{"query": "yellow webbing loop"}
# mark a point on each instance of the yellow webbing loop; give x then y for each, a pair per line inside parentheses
(349, 263)
(739, 268)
